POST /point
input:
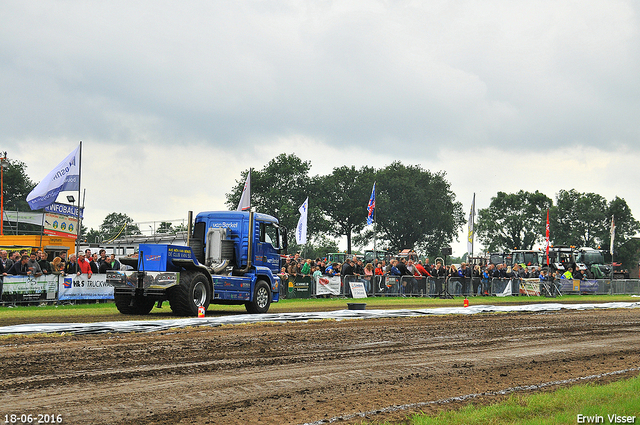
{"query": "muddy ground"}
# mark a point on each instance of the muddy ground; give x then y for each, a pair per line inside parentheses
(321, 371)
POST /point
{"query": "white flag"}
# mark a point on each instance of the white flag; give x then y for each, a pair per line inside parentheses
(301, 229)
(471, 223)
(245, 199)
(613, 233)
(66, 176)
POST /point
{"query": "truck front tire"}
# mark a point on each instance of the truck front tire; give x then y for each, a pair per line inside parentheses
(194, 291)
(128, 304)
(261, 299)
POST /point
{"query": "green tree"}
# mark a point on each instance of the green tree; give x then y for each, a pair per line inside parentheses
(342, 197)
(180, 228)
(625, 246)
(513, 220)
(279, 189)
(165, 227)
(17, 186)
(319, 247)
(93, 236)
(116, 225)
(579, 219)
(416, 209)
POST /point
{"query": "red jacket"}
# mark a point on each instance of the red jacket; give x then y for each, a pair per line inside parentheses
(422, 271)
(85, 266)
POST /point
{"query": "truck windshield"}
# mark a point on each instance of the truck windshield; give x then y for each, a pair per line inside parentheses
(592, 258)
(496, 259)
(531, 258)
(565, 257)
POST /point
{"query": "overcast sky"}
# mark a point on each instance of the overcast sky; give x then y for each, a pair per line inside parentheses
(172, 100)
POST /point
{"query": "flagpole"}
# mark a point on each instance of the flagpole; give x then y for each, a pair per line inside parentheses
(471, 229)
(473, 223)
(547, 239)
(375, 223)
(79, 175)
(613, 235)
(42, 230)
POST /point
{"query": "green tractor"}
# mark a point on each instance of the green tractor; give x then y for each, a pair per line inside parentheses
(593, 260)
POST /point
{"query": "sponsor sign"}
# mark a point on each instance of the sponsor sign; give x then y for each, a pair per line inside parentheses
(23, 217)
(358, 290)
(60, 225)
(83, 287)
(64, 209)
(30, 287)
(530, 287)
(327, 285)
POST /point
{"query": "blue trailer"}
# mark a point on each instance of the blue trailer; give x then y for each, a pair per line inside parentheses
(233, 257)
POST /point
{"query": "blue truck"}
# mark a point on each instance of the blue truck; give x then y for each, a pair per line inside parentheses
(232, 257)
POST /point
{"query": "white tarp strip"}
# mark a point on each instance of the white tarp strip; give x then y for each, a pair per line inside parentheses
(159, 325)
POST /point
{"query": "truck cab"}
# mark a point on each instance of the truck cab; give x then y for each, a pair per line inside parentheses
(593, 260)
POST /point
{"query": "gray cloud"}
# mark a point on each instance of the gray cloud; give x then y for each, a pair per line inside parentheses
(174, 100)
(498, 73)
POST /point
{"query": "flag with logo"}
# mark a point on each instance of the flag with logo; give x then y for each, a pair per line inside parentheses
(245, 199)
(371, 207)
(65, 177)
(471, 225)
(301, 229)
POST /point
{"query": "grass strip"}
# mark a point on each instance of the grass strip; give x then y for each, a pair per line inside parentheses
(595, 403)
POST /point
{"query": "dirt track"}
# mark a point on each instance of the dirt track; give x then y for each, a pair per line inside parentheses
(304, 372)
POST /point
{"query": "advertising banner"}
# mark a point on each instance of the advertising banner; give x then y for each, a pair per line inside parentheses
(30, 288)
(328, 285)
(60, 225)
(581, 286)
(84, 288)
(358, 290)
(23, 217)
(530, 287)
(64, 209)
(299, 287)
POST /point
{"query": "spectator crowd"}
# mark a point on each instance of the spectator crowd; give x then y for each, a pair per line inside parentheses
(465, 278)
(36, 263)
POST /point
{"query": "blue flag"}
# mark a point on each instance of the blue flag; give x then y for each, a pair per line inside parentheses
(372, 205)
(65, 177)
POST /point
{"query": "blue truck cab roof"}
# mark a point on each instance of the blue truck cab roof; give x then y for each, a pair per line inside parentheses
(233, 216)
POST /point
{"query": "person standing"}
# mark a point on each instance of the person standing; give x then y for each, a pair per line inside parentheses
(20, 268)
(5, 260)
(43, 262)
(33, 265)
(71, 266)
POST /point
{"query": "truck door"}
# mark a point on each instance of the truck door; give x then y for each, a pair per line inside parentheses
(268, 246)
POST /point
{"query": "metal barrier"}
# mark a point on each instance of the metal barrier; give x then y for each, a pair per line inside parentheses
(625, 286)
(23, 290)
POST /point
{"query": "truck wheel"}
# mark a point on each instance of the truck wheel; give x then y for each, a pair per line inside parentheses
(261, 299)
(194, 291)
(139, 306)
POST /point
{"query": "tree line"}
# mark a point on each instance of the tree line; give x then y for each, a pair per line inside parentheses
(415, 208)
(518, 221)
